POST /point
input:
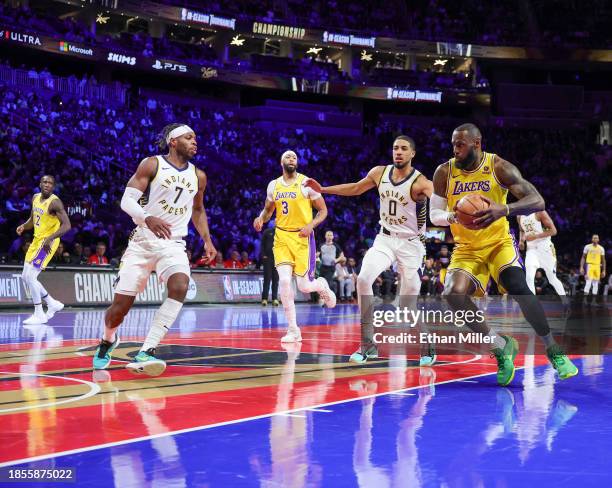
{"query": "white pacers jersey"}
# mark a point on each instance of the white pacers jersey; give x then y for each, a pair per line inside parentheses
(530, 225)
(398, 211)
(170, 194)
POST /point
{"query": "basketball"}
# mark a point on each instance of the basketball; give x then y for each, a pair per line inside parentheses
(468, 206)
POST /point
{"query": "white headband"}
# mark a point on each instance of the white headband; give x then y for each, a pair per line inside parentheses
(178, 132)
(288, 152)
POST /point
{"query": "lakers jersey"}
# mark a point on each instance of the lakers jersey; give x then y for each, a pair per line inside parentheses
(292, 202)
(398, 211)
(169, 196)
(593, 254)
(530, 225)
(45, 223)
(482, 181)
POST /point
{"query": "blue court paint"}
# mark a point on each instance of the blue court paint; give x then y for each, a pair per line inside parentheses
(539, 431)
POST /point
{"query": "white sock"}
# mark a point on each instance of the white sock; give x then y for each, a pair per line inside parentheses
(285, 290)
(587, 286)
(38, 309)
(162, 321)
(595, 287)
(109, 334)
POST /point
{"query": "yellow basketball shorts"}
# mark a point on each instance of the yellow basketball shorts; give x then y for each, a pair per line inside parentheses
(482, 264)
(37, 256)
(299, 252)
(593, 272)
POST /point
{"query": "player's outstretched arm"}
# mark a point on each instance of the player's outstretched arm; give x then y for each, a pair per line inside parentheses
(529, 199)
(422, 189)
(136, 186)
(200, 219)
(349, 189)
(28, 224)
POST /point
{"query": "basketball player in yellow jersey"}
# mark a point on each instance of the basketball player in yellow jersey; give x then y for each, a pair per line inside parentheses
(49, 221)
(487, 248)
(294, 245)
(595, 258)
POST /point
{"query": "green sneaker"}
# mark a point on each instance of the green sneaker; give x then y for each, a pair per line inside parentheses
(505, 360)
(363, 354)
(146, 362)
(565, 368)
(102, 356)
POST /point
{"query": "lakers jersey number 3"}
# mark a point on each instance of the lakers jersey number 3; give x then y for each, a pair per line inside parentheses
(293, 205)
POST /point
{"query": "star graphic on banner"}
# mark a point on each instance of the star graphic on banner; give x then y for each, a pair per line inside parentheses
(236, 41)
(365, 56)
(100, 19)
(314, 50)
(440, 62)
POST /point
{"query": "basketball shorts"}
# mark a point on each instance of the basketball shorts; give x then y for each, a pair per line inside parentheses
(37, 256)
(408, 253)
(541, 257)
(484, 263)
(142, 257)
(593, 272)
(299, 252)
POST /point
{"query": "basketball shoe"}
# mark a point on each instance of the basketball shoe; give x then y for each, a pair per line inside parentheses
(146, 362)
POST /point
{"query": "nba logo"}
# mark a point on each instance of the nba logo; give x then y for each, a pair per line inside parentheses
(227, 288)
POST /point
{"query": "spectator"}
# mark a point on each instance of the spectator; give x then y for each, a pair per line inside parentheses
(330, 256)
(541, 283)
(233, 262)
(345, 280)
(99, 258)
(245, 261)
(427, 278)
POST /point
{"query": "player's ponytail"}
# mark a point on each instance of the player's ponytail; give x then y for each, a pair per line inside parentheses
(163, 135)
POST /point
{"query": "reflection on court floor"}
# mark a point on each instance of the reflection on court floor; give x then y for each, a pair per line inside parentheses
(234, 408)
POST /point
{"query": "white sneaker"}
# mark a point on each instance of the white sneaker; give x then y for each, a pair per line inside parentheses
(53, 306)
(36, 319)
(328, 296)
(292, 335)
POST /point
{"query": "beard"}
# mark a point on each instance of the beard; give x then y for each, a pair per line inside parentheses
(469, 159)
(290, 168)
(400, 165)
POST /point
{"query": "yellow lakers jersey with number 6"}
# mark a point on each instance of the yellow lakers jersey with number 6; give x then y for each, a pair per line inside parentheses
(45, 224)
(484, 253)
(482, 181)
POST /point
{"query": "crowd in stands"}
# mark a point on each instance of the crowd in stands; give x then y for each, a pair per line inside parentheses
(112, 140)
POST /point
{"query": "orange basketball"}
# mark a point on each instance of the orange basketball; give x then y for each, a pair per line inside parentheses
(468, 206)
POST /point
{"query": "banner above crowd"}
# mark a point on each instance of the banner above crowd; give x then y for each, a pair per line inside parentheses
(130, 60)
